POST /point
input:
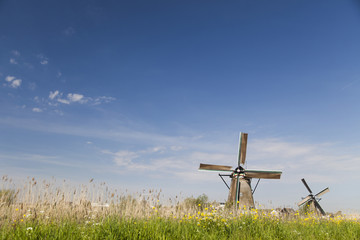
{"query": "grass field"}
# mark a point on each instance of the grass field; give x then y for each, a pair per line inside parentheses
(43, 211)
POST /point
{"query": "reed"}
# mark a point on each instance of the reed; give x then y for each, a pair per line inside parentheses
(58, 210)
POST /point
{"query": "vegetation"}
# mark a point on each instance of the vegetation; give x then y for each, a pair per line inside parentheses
(42, 211)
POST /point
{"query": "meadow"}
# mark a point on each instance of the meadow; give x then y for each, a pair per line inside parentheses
(56, 210)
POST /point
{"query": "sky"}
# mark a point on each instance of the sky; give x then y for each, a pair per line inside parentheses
(138, 93)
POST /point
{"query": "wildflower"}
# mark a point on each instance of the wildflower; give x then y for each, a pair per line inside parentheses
(29, 229)
(17, 209)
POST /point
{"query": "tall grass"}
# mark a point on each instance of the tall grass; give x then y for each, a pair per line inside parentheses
(57, 210)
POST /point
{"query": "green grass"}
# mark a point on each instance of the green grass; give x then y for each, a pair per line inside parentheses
(43, 211)
(246, 226)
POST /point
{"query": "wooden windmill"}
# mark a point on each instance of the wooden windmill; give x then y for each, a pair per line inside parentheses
(240, 191)
(313, 200)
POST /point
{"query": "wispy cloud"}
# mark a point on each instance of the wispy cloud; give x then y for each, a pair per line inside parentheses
(44, 159)
(52, 95)
(13, 61)
(43, 60)
(38, 110)
(102, 99)
(77, 98)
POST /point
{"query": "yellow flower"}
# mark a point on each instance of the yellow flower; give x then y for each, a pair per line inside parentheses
(17, 209)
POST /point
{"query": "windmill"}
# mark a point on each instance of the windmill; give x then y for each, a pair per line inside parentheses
(240, 191)
(313, 200)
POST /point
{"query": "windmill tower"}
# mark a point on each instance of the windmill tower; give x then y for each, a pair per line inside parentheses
(313, 200)
(240, 191)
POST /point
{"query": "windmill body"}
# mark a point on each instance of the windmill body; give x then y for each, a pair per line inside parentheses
(313, 200)
(245, 195)
(240, 191)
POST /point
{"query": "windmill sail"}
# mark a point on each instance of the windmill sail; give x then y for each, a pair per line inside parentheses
(212, 167)
(242, 148)
(268, 174)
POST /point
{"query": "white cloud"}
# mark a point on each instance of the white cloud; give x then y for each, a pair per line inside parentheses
(16, 83)
(74, 97)
(9, 78)
(65, 101)
(13, 61)
(43, 60)
(13, 82)
(37, 110)
(52, 95)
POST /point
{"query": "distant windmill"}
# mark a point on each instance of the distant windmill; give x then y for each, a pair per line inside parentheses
(240, 188)
(313, 200)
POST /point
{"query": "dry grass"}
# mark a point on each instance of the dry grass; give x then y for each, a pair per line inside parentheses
(93, 209)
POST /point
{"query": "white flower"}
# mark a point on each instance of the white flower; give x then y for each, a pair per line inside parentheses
(29, 228)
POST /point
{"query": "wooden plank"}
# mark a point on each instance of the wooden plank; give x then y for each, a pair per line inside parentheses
(242, 148)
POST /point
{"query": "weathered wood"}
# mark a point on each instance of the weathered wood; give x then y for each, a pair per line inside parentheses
(262, 174)
(245, 193)
(242, 148)
(214, 167)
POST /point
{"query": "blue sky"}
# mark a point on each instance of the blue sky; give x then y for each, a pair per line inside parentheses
(138, 93)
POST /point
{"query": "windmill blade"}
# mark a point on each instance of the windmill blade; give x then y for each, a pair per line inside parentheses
(307, 186)
(268, 174)
(212, 167)
(317, 205)
(326, 190)
(242, 148)
(305, 200)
